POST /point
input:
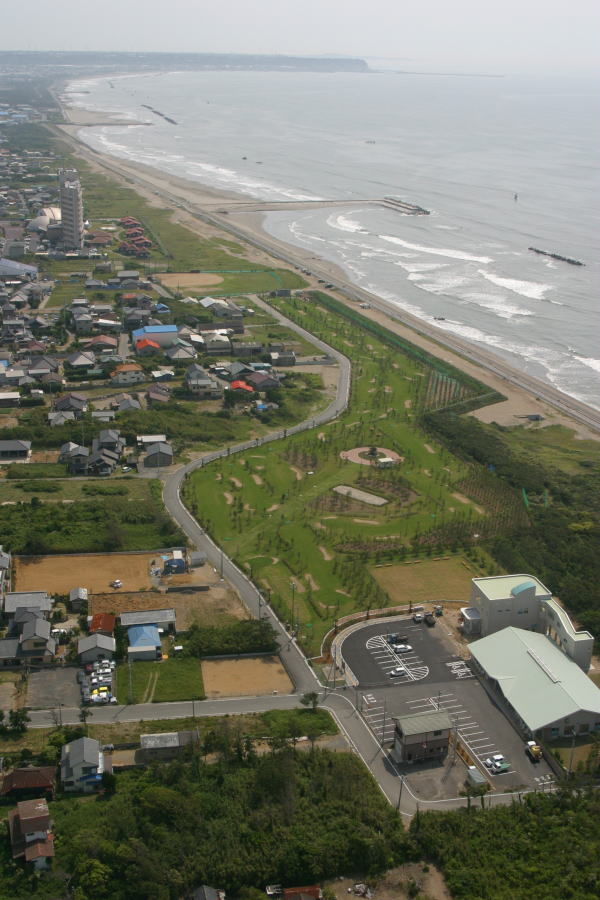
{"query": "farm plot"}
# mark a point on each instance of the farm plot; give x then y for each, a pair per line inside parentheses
(245, 677)
(58, 574)
(429, 581)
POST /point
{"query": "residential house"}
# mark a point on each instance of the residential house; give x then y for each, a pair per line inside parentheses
(167, 745)
(103, 342)
(241, 388)
(147, 347)
(14, 600)
(233, 370)
(136, 319)
(180, 352)
(102, 462)
(216, 343)
(81, 360)
(76, 403)
(261, 381)
(9, 399)
(199, 383)
(144, 643)
(247, 349)
(159, 455)
(128, 403)
(60, 418)
(75, 457)
(109, 439)
(282, 357)
(31, 781)
(102, 623)
(14, 451)
(30, 832)
(81, 766)
(146, 440)
(157, 394)
(35, 643)
(103, 415)
(94, 647)
(127, 373)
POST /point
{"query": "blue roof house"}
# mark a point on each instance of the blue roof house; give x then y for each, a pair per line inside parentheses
(163, 335)
(144, 643)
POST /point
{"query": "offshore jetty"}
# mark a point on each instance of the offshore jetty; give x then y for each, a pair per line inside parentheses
(567, 259)
(409, 209)
(157, 112)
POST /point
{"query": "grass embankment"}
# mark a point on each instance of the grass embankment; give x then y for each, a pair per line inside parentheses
(275, 723)
(306, 545)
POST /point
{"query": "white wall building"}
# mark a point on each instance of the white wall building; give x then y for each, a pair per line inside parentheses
(71, 208)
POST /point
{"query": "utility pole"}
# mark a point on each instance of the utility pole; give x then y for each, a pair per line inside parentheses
(398, 804)
(384, 718)
(293, 586)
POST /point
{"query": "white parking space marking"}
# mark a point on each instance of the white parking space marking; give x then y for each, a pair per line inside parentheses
(410, 665)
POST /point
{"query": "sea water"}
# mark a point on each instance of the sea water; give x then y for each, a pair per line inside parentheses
(462, 147)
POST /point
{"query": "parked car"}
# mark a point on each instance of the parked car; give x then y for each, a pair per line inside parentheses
(418, 617)
(397, 672)
(401, 648)
(491, 761)
(500, 768)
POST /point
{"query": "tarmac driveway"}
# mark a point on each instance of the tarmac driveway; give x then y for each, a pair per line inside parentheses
(51, 688)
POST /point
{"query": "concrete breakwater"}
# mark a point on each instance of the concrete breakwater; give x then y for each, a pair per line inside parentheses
(409, 209)
(567, 259)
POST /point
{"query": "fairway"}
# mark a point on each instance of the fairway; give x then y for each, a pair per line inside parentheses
(58, 574)
(430, 581)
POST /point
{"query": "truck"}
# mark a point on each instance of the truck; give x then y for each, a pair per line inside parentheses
(534, 751)
(429, 619)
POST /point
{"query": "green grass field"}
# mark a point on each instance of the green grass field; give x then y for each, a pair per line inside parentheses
(287, 526)
(136, 489)
(160, 682)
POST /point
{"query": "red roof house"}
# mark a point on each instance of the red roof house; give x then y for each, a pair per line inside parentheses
(30, 835)
(241, 386)
(145, 346)
(32, 779)
(103, 623)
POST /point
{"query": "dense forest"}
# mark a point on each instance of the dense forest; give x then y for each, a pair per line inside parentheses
(545, 848)
(288, 817)
(559, 542)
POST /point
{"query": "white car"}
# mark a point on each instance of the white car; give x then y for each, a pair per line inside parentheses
(495, 760)
(117, 583)
(395, 673)
(401, 648)
(418, 617)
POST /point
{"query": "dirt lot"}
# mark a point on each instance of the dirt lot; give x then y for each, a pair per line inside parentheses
(58, 574)
(245, 677)
(51, 687)
(397, 884)
(204, 607)
(188, 280)
(429, 581)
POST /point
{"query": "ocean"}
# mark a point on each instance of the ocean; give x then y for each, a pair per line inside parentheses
(461, 147)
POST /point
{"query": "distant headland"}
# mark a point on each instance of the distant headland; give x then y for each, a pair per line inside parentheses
(86, 62)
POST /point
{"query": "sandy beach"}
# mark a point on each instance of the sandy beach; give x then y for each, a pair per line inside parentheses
(209, 213)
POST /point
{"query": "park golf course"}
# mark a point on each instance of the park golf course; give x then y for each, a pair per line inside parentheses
(310, 526)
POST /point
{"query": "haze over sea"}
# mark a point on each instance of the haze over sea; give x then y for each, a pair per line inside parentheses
(458, 146)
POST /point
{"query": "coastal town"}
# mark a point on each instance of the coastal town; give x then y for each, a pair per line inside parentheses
(262, 556)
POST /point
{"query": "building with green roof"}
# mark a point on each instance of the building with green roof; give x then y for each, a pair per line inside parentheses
(547, 693)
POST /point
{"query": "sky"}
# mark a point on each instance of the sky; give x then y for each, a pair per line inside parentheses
(508, 36)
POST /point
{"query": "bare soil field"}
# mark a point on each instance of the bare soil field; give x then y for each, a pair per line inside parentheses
(188, 279)
(429, 581)
(207, 608)
(245, 677)
(399, 884)
(58, 574)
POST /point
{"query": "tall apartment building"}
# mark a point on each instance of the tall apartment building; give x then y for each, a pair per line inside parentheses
(71, 209)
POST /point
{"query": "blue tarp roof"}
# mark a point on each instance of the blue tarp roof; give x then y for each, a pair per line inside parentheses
(143, 636)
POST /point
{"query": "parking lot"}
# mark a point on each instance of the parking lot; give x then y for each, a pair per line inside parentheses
(53, 688)
(435, 679)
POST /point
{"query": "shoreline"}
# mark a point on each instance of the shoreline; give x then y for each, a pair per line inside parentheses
(204, 211)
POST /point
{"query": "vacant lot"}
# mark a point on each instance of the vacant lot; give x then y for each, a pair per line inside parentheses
(429, 581)
(188, 280)
(245, 677)
(164, 681)
(209, 608)
(58, 574)
(51, 688)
